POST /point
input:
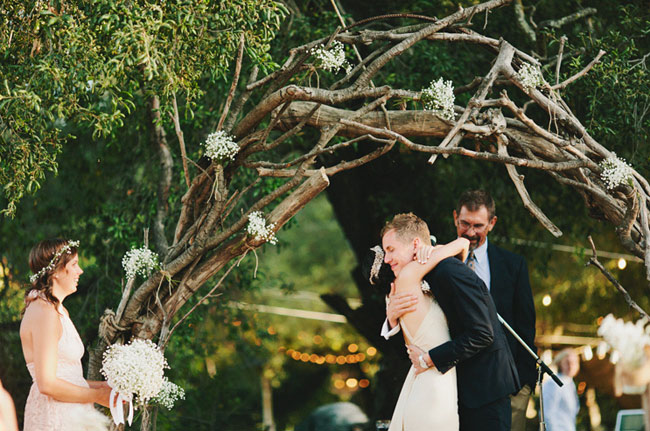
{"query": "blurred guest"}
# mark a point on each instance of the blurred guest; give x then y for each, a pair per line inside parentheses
(561, 404)
(8, 420)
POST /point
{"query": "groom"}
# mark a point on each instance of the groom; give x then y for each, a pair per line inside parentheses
(478, 348)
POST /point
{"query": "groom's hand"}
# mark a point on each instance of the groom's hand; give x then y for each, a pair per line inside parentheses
(414, 355)
(398, 305)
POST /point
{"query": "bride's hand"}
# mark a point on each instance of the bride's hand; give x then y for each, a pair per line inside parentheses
(415, 353)
(465, 252)
(423, 254)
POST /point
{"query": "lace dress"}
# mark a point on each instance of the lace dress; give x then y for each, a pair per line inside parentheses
(43, 413)
(428, 401)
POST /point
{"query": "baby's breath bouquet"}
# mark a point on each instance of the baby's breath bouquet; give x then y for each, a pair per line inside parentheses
(169, 394)
(140, 261)
(135, 371)
(628, 338)
(332, 59)
(439, 97)
(631, 344)
(616, 172)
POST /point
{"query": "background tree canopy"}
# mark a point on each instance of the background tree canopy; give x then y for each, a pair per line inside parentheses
(90, 90)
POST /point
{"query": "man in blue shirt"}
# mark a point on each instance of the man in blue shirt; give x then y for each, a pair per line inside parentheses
(561, 404)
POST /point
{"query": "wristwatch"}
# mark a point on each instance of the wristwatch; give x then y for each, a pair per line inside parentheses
(423, 363)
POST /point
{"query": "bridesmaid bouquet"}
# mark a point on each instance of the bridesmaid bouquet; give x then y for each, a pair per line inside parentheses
(135, 371)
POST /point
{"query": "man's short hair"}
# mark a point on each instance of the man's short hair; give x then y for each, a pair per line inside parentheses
(407, 226)
(473, 200)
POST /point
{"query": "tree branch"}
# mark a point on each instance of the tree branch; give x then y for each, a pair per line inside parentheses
(557, 23)
(518, 181)
(594, 261)
(181, 141)
(235, 80)
(159, 139)
(505, 57)
(523, 24)
(580, 74)
(563, 40)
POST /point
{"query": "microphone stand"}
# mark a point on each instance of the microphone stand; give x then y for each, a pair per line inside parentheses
(541, 369)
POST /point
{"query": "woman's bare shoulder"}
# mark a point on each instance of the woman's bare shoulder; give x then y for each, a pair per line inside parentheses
(40, 312)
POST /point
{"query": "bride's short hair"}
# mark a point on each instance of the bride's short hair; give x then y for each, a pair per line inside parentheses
(407, 226)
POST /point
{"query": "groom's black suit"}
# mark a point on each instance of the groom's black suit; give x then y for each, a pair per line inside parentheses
(478, 348)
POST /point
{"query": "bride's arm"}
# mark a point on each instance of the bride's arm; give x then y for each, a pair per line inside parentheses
(417, 270)
(46, 332)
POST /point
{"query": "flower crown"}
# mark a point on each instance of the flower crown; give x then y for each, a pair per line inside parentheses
(50, 266)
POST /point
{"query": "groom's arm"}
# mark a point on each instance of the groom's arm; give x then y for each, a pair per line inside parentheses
(469, 302)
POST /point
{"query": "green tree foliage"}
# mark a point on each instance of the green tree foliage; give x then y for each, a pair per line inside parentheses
(87, 64)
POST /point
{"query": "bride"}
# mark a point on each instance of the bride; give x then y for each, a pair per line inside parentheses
(60, 398)
(428, 400)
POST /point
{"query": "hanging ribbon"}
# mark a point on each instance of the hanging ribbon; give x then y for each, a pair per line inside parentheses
(116, 405)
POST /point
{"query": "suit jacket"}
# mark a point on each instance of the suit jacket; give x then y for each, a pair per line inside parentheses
(478, 348)
(510, 290)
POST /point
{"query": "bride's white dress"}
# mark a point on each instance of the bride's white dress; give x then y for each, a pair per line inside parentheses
(43, 413)
(428, 401)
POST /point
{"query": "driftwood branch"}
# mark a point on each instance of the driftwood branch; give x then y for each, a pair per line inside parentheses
(580, 74)
(518, 181)
(505, 57)
(594, 261)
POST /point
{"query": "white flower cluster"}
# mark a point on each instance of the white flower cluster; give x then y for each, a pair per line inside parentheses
(259, 229)
(615, 172)
(332, 59)
(220, 146)
(140, 261)
(439, 97)
(627, 338)
(135, 369)
(530, 76)
(169, 394)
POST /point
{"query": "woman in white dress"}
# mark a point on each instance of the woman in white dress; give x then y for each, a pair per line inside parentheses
(429, 400)
(60, 398)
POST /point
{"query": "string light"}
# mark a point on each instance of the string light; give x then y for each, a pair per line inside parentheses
(329, 358)
(546, 300)
(622, 263)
